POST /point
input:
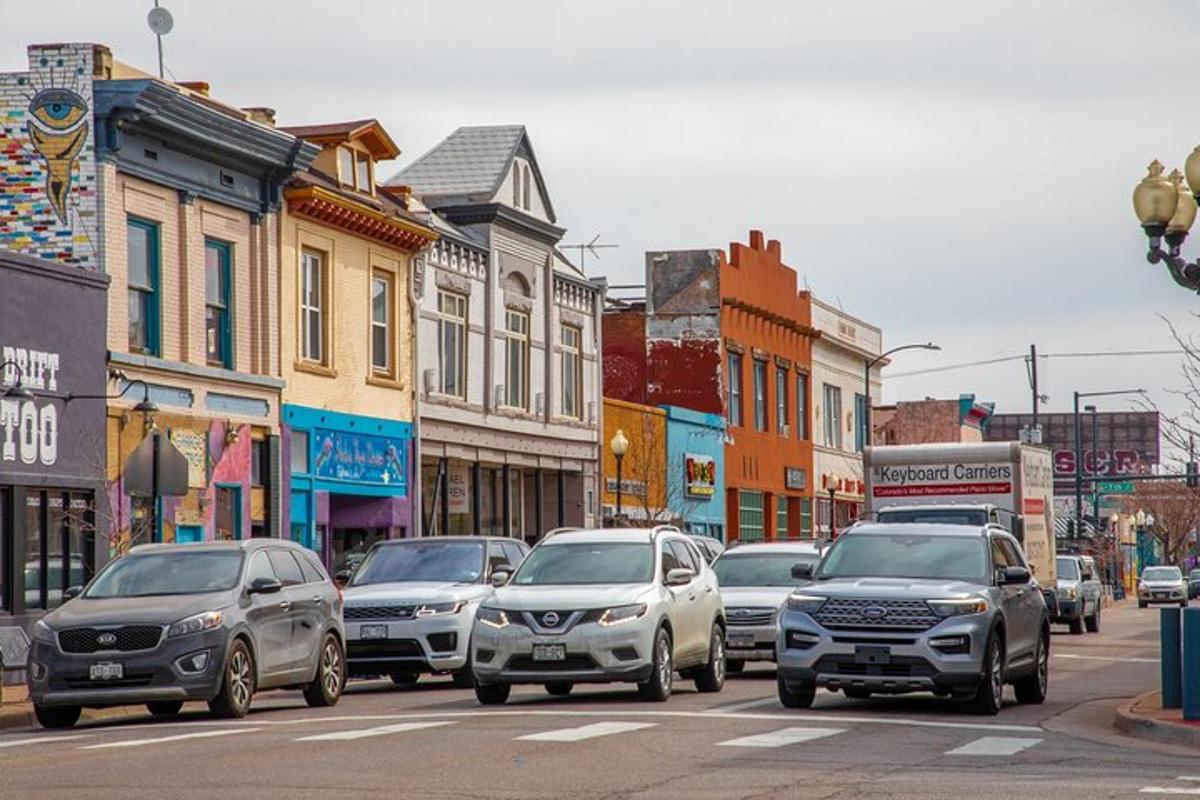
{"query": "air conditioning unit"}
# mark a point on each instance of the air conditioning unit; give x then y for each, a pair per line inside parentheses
(430, 381)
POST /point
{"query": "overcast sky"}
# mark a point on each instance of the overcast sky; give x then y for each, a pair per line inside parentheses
(952, 170)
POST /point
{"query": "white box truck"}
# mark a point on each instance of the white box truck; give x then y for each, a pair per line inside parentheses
(1008, 483)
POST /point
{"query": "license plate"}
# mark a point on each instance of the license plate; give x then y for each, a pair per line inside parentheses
(106, 671)
(740, 641)
(865, 654)
(549, 652)
(373, 632)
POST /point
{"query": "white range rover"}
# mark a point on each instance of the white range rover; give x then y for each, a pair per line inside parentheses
(410, 604)
(603, 606)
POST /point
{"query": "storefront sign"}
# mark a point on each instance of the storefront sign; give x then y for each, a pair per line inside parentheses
(795, 478)
(194, 448)
(458, 495)
(360, 457)
(628, 487)
(29, 428)
(701, 475)
(940, 479)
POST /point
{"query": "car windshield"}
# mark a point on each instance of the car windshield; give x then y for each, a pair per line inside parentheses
(762, 569)
(935, 516)
(168, 572)
(587, 562)
(915, 556)
(1162, 574)
(1068, 569)
(421, 561)
(1194, 575)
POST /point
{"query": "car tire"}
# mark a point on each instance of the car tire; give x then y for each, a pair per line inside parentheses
(1031, 690)
(55, 717)
(327, 685)
(662, 671)
(856, 694)
(1093, 622)
(1077, 626)
(794, 694)
(711, 677)
(989, 694)
(734, 666)
(404, 678)
(559, 688)
(492, 694)
(165, 708)
(463, 678)
(237, 683)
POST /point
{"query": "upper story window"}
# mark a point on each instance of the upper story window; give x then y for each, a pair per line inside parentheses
(345, 166)
(218, 293)
(355, 170)
(382, 323)
(733, 402)
(525, 190)
(312, 305)
(801, 406)
(760, 395)
(572, 371)
(781, 401)
(362, 174)
(452, 343)
(516, 181)
(517, 354)
(860, 422)
(143, 274)
(833, 416)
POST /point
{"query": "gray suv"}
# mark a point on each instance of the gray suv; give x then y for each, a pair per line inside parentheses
(168, 623)
(905, 608)
(1079, 594)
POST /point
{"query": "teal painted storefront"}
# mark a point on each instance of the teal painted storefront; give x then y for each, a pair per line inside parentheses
(696, 470)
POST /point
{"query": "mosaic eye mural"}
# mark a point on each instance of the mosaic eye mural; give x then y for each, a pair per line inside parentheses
(58, 128)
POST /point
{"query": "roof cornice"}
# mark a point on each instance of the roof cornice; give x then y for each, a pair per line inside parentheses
(483, 213)
(359, 219)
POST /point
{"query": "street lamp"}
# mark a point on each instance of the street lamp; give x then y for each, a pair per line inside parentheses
(1079, 447)
(619, 446)
(17, 391)
(1095, 462)
(1167, 209)
(868, 434)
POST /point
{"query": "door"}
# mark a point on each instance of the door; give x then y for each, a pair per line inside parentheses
(270, 622)
(301, 609)
(686, 612)
(1031, 600)
(229, 513)
(708, 594)
(1013, 599)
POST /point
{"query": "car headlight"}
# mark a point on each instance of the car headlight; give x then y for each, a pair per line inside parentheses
(432, 609)
(493, 617)
(958, 606)
(619, 615)
(43, 633)
(808, 603)
(204, 621)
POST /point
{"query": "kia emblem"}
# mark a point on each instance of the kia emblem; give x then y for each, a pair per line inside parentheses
(107, 639)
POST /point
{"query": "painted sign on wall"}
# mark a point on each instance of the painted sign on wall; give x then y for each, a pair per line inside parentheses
(192, 445)
(360, 457)
(701, 473)
(458, 495)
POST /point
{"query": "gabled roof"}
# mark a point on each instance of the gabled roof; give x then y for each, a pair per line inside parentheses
(471, 164)
(372, 134)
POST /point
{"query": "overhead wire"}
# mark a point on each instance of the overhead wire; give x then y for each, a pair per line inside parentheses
(1025, 357)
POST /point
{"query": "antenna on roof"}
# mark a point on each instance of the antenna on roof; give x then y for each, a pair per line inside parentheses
(161, 22)
(588, 247)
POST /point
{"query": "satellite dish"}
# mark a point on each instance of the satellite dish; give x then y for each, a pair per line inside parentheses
(160, 21)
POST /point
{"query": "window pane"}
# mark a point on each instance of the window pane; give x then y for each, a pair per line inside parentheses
(381, 317)
(750, 516)
(138, 300)
(364, 173)
(214, 275)
(345, 166)
(138, 245)
(801, 406)
(379, 301)
(760, 396)
(735, 389)
(35, 537)
(299, 456)
(214, 334)
(781, 404)
(781, 517)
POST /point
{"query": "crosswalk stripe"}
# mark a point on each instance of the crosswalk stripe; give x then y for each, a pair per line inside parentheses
(782, 737)
(162, 739)
(1122, 659)
(732, 707)
(39, 740)
(363, 733)
(585, 732)
(994, 746)
(1168, 790)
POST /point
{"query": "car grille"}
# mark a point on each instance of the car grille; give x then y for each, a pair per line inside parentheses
(385, 648)
(750, 616)
(128, 639)
(355, 613)
(898, 667)
(569, 664)
(840, 614)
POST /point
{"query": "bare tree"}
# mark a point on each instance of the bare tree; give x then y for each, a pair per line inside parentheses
(1180, 429)
(653, 486)
(1175, 507)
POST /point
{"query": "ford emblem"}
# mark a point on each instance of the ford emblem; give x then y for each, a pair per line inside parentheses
(107, 639)
(874, 612)
(550, 619)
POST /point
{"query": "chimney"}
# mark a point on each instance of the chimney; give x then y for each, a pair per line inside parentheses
(756, 240)
(262, 115)
(774, 248)
(199, 87)
(102, 62)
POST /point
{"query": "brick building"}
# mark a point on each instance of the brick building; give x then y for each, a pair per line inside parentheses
(929, 421)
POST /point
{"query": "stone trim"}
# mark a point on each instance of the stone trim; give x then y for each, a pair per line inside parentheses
(452, 283)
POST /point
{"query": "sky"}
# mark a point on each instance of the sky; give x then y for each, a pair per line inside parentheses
(954, 171)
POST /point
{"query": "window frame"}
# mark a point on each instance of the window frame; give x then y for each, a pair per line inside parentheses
(744, 510)
(833, 415)
(735, 394)
(518, 340)
(572, 354)
(343, 152)
(802, 405)
(781, 400)
(225, 254)
(321, 259)
(460, 320)
(782, 514)
(364, 184)
(152, 292)
(388, 279)
(762, 414)
(860, 421)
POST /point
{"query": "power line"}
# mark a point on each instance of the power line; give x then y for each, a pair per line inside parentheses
(1024, 357)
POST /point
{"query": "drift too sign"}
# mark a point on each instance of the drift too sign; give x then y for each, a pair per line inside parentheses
(29, 428)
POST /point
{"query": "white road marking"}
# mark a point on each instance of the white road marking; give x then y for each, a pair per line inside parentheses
(1168, 790)
(363, 733)
(763, 701)
(994, 746)
(39, 740)
(585, 732)
(1188, 778)
(782, 737)
(1130, 659)
(163, 739)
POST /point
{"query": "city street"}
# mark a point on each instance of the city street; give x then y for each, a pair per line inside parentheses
(435, 741)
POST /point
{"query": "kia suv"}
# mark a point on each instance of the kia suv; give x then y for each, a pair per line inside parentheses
(603, 606)
(911, 607)
(411, 602)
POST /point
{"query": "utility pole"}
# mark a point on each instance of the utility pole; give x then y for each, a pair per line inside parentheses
(1078, 469)
(1034, 380)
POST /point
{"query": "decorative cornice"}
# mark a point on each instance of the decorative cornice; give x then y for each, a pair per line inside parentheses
(771, 316)
(339, 211)
(484, 213)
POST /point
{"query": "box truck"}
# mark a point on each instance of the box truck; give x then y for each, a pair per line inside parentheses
(1005, 483)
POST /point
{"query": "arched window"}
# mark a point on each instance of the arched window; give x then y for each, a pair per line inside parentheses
(515, 282)
(516, 185)
(526, 189)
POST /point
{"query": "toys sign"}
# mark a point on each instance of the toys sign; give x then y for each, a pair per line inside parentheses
(701, 475)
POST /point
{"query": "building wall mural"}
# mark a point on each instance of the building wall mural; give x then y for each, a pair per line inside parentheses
(48, 175)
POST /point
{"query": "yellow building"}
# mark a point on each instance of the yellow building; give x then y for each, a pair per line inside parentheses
(346, 342)
(643, 467)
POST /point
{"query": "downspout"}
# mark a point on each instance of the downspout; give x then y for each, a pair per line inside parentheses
(416, 263)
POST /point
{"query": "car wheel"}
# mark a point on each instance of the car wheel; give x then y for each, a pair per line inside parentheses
(734, 666)
(1141, 604)
(559, 688)
(57, 716)
(711, 677)
(1093, 622)
(326, 687)
(164, 708)
(463, 678)
(796, 694)
(237, 684)
(856, 694)
(662, 672)
(1077, 626)
(989, 695)
(492, 694)
(404, 678)
(1031, 690)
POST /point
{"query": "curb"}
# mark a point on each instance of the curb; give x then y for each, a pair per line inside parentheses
(1132, 724)
(20, 716)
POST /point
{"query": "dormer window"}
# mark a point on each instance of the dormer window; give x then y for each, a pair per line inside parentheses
(355, 170)
(345, 166)
(525, 190)
(516, 185)
(363, 175)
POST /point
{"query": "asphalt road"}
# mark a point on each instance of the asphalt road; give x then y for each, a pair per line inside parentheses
(432, 741)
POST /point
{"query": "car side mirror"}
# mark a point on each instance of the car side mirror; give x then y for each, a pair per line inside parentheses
(1011, 576)
(342, 577)
(802, 571)
(500, 577)
(264, 585)
(681, 576)
(72, 591)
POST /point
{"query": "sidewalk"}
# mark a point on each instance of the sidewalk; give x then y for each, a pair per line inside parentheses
(1144, 717)
(16, 712)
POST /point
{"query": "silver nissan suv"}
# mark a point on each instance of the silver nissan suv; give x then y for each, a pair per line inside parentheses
(602, 606)
(951, 609)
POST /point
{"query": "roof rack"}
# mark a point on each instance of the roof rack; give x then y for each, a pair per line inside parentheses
(564, 529)
(657, 529)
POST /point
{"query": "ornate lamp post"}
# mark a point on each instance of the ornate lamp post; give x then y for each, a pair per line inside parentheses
(619, 446)
(1166, 208)
(868, 365)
